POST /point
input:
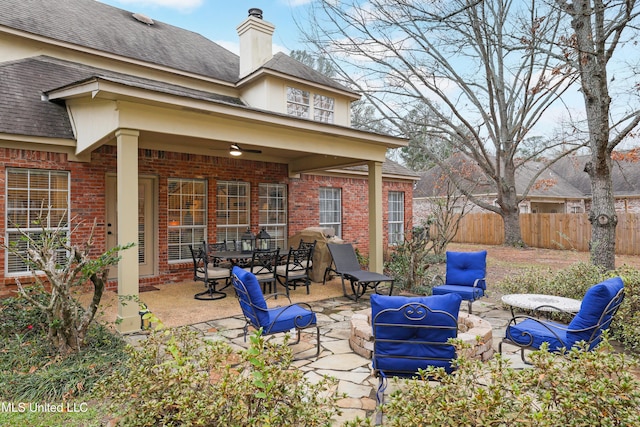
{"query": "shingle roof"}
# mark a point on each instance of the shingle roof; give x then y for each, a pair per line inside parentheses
(625, 175)
(567, 175)
(96, 25)
(389, 167)
(23, 82)
(99, 26)
(287, 65)
(23, 111)
(552, 184)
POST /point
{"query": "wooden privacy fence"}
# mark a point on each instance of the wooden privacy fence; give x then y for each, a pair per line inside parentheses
(552, 231)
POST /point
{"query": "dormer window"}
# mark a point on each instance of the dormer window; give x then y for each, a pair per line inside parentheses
(323, 108)
(298, 102)
(299, 105)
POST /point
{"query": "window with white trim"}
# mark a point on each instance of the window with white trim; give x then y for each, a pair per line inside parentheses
(299, 105)
(36, 199)
(187, 215)
(298, 102)
(331, 209)
(396, 217)
(273, 213)
(323, 107)
(232, 210)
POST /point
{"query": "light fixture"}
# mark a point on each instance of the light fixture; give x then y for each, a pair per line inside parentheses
(235, 150)
(263, 240)
(247, 240)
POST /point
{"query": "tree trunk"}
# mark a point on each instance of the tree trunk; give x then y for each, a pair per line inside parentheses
(508, 201)
(512, 232)
(63, 325)
(602, 214)
(588, 21)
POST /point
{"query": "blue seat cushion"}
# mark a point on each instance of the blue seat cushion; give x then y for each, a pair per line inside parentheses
(255, 297)
(593, 306)
(468, 293)
(417, 349)
(282, 319)
(533, 333)
(463, 268)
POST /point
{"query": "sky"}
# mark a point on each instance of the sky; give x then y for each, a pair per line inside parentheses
(217, 19)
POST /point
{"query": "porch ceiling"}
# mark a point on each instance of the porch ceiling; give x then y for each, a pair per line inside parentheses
(299, 161)
(170, 122)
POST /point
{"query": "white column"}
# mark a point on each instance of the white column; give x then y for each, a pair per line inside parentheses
(375, 217)
(128, 269)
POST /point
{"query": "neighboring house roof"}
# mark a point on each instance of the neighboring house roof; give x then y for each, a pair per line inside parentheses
(95, 25)
(549, 183)
(625, 175)
(564, 179)
(23, 83)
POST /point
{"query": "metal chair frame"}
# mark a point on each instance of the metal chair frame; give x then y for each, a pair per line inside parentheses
(556, 329)
(295, 271)
(204, 271)
(263, 266)
(348, 268)
(252, 311)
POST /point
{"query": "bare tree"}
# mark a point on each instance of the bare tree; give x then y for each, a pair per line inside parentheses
(449, 206)
(59, 268)
(598, 29)
(479, 69)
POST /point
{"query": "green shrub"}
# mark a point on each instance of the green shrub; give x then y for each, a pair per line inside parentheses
(408, 262)
(17, 316)
(581, 388)
(571, 282)
(626, 324)
(574, 281)
(32, 372)
(177, 378)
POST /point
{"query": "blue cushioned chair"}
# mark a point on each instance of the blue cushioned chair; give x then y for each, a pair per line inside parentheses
(272, 320)
(465, 276)
(597, 309)
(411, 333)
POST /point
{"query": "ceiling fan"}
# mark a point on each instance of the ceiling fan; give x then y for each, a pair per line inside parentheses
(236, 150)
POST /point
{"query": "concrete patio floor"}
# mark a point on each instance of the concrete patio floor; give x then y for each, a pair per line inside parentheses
(336, 358)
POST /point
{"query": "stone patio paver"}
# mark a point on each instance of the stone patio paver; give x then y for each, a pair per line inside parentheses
(336, 358)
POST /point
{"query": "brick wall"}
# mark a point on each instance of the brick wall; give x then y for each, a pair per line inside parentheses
(88, 197)
(304, 205)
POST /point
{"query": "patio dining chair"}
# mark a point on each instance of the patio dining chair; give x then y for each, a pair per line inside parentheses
(348, 268)
(263, 266)
(205, 271)
(254, 307)
(599, 305)
(310, 246)
(411, 333)
(295, 270)
(465, 276)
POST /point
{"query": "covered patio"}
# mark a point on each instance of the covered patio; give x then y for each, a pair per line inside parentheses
(135, 118)
(335, 313)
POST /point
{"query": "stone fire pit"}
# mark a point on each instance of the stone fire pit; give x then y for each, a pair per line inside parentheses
(469, 328)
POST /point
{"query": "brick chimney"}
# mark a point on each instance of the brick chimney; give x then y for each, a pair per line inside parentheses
(255, 42)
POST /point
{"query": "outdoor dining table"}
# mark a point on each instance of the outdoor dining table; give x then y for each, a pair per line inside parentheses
(235, 257)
